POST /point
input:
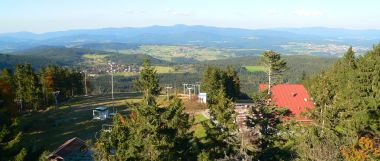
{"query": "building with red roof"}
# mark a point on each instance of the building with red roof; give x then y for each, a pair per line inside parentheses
(292, 96)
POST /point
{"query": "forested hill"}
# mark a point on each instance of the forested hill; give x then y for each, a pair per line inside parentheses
(63, 56)
(297, 63)
(9, 61)
(347, 114)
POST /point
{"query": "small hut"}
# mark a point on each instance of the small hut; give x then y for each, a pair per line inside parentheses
(202, 97)
(100, 113)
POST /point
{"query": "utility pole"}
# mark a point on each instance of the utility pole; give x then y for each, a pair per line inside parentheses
(85, 82)
(111, 71)
(189, 88)
(199, 87)
(184, 88)
(168, 88)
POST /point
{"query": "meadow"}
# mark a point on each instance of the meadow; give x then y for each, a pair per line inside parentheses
(251, 68)
(50, 128)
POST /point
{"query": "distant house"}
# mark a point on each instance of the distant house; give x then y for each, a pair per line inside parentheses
(292, 96)
(100, 113)
(73, 149)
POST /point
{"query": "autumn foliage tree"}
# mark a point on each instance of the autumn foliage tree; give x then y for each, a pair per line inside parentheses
(366, 148)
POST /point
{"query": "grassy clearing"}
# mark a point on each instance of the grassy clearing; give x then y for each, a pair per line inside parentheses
(254, 68)
(199, 130)
(50, 128)
(164, 69)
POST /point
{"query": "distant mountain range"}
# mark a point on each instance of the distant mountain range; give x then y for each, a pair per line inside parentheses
(266, 39)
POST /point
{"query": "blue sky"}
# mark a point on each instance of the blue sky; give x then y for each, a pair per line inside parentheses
(55, 15)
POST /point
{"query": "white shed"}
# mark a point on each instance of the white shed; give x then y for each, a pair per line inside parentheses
(100, 113)
(202, 97)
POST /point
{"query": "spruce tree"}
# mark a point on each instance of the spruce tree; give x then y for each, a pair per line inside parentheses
(150, 132)
(221, 130)
(266, 125)
(6, 76)
(274, 66)
(215, 78)
(27, 87)
(148, 82)
(347, 99)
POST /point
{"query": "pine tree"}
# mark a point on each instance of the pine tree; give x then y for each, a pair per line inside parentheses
(347, 99)
(150, 132)
(274, 66)
(221, 130)
(266, 126)
(215, 79)
(148, 82)
(27, 88)
(349, 58)
(232, 83)
(10, 136)
(6, 76)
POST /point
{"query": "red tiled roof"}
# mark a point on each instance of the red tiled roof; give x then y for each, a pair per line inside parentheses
(292, 96)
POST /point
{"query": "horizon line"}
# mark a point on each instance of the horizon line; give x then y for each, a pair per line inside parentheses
(187, 25)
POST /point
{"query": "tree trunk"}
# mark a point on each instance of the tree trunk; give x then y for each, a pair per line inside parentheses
(269, 80)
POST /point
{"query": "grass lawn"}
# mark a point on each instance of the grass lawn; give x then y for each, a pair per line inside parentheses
(50, 128)
(199, 131)
(251, 68)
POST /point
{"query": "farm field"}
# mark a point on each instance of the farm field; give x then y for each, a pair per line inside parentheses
(173, 53)
(254, 68)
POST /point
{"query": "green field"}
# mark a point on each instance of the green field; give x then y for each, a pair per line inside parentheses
(164, 69)
(199, 130)
(254, 68)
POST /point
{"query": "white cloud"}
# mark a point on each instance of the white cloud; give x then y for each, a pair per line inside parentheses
(176, 13)
(272, 12)
(303, 12)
